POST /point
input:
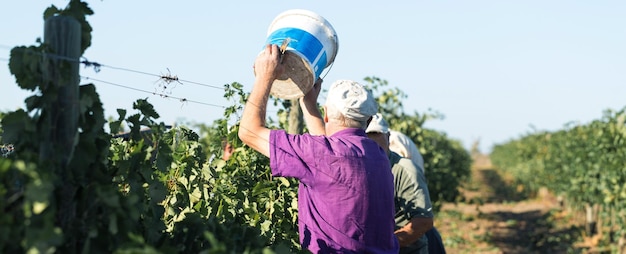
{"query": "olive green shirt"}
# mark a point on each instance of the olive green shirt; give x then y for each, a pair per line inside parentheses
(411, 197)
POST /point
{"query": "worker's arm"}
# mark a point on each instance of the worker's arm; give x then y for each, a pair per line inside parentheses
(413, 230)
(252, 130)
(310, 111)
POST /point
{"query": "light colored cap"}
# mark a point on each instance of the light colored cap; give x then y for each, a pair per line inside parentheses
(405, 147)
(378, 124)
(352, 100)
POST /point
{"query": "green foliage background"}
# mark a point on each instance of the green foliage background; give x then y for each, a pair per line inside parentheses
(584, 163)
(156, 189)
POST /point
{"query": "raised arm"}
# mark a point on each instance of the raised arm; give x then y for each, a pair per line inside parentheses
(252, 130)
(311, 113)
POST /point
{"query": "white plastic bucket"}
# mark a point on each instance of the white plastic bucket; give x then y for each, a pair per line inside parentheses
(312, 46)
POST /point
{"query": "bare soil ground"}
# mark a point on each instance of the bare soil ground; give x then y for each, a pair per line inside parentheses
(494, 216)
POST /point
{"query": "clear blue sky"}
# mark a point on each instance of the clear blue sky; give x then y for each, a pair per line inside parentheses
(493, 68)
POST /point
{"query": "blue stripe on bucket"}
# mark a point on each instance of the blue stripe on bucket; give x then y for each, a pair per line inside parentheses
(321, 64)
(303, 42)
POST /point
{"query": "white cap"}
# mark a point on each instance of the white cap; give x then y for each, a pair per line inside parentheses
(378, 124)
(405, 147)
(352, 100)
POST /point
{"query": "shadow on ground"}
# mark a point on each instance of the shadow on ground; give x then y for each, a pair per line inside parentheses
(501, 190)
(523, 228)
(530, 232)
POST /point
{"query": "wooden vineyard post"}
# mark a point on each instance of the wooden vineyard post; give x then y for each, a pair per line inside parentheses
(62, 34)
(295, 118)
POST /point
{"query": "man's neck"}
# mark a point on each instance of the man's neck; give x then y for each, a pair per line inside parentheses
(332, 128)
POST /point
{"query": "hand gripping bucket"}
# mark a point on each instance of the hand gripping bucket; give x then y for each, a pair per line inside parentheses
(311, 46)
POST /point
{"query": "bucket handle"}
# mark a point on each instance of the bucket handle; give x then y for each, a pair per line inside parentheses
(328, 70)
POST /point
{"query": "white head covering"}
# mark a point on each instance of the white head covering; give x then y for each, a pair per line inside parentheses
(405, 147)
(352, 100)
(378, 124)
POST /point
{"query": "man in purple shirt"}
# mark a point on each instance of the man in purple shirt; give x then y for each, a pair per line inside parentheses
(345, 198)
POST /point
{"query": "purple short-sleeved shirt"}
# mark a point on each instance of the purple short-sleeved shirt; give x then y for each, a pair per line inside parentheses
(345, 198)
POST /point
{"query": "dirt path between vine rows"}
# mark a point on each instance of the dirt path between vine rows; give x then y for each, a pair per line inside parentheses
(494, 216)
